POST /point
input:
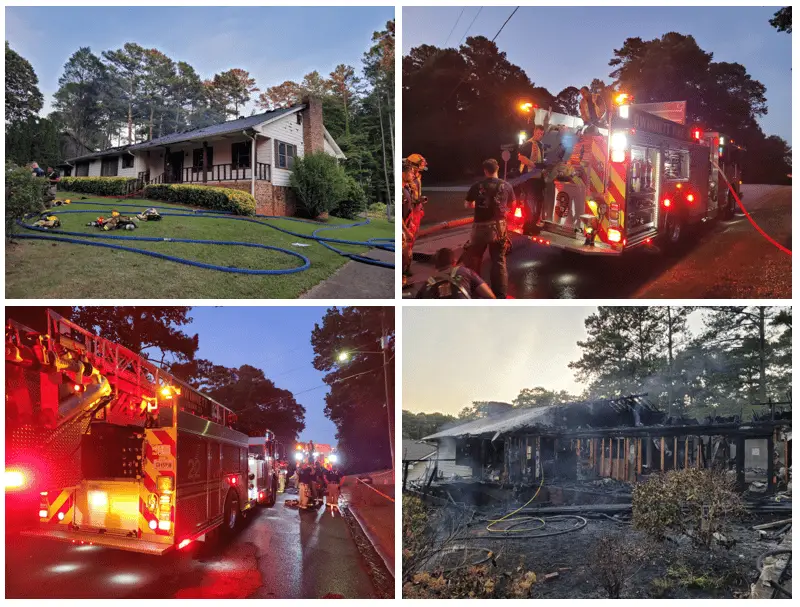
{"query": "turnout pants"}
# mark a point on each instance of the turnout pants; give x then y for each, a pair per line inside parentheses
(305, 494)
(494, 236)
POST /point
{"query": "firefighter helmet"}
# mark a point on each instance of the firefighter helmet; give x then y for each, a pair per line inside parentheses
(418, 161)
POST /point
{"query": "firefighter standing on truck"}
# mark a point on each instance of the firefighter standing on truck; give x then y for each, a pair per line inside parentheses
(592, 108)
(490, 198)
(536, 161)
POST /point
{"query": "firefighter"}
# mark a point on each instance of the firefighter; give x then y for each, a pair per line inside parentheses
(454, 281)
(593, 108)
(305, 476)
(490, 198)
(536, 183)
(333, 479)
(412, 196)
(53, 178)
(319, 483)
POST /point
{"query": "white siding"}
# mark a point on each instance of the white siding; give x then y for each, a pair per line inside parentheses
(129, 172)
(94, 167)
(449, 469)
(287, 130)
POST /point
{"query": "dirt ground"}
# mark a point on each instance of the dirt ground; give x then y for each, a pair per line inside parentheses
(671, 569)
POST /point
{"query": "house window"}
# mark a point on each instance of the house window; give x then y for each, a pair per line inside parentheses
(197, 159)
(109, 166)
(240, 155)
(127, 161)
(82, 169)
(286, 153)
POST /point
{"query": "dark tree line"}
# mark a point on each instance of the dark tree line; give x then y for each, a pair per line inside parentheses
(356, 402)
(460, 105)
(738, 361)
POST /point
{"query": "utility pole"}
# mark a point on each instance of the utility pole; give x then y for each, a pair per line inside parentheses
(384, 346)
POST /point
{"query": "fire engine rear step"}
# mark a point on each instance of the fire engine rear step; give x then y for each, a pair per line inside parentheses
(573, 244)
(110, 541)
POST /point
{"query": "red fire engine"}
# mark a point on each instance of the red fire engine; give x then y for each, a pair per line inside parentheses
(643, 177)
(118, 452)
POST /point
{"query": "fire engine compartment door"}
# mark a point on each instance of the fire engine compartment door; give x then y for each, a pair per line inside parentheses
(567, 205)
(193, 485)
(111, 505)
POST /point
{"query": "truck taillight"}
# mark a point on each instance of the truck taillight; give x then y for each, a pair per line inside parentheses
(518, 212)
(614, 235)
(233, 479)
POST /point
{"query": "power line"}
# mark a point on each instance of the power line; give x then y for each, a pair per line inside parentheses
(463, 8)
(470, 26)
(460, 82)
(504, 24)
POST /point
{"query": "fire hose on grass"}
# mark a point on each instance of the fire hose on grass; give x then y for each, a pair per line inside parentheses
(386, 244)
(746, 214)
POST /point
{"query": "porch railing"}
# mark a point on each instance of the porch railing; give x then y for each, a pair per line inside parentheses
(226, 172)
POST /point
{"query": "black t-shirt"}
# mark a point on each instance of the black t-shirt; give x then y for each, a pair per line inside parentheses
(305, 475)
(492, 198)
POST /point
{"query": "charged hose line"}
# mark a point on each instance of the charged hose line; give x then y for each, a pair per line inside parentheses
(386, 244)
(746, 214)
(508, 516)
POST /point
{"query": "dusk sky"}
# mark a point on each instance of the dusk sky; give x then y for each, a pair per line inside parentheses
(453, 356)
(276, 340)
(274, 44)
(569, 46)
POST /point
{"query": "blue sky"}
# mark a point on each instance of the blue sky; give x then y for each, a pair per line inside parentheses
(274, 44)
(276, 340)
(559, 47)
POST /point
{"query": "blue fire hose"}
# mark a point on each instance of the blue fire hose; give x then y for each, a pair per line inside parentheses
(386, 244)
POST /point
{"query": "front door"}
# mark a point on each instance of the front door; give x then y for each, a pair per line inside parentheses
(176, 167)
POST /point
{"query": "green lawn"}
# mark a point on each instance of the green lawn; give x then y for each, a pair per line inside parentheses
(42, 269)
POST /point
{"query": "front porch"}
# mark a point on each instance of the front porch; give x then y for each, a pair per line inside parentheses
(208, 175)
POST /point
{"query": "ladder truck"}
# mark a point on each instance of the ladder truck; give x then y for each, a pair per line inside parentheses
(118, 451)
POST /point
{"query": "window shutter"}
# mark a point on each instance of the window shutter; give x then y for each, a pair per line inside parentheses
(276, 157)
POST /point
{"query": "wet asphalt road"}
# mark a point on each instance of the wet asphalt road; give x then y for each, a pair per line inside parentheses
(724, 259)
(280, 553)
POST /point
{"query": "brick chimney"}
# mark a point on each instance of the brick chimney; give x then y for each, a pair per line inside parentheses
(313, 138)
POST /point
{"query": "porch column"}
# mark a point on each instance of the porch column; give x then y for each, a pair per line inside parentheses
(166, 165)
(740, 482)
(205, 162)
(253, 166)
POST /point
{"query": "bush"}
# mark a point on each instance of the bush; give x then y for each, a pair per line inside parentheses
(354, 201)
(319, 182)
(102, 186)
(613, 559)
(695, 502)
(24, 194)
(219, 199)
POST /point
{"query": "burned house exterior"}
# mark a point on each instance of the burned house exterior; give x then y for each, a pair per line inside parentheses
(624, 439)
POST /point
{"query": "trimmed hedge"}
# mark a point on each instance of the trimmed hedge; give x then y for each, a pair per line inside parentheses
(219, 199)
(102, 186)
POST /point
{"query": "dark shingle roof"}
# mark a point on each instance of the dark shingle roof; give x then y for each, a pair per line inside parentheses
(232, 126)
(223, 128)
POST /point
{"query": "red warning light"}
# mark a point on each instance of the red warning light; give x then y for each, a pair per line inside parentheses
(518, 212)
(690, 197)
(667, 203)
(697, 134)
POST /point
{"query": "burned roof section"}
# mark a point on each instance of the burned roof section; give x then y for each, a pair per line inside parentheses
(633, 410)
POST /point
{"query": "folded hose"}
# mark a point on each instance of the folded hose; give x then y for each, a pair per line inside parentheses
(386, 244)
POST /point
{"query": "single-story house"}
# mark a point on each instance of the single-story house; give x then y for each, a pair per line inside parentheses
(254, 154)
(624, 438)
